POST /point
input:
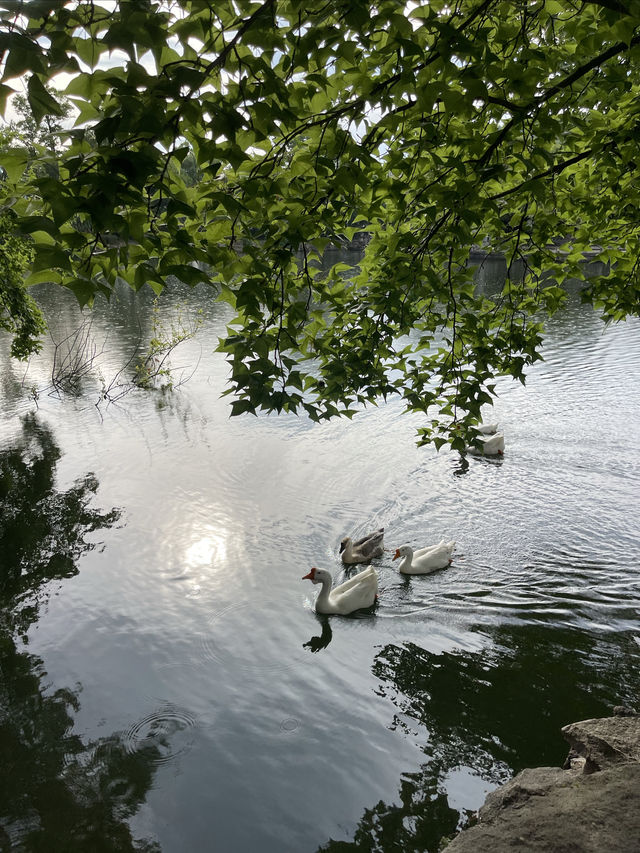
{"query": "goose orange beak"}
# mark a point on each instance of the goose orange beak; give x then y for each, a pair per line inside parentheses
(310, 576)
(397, 554)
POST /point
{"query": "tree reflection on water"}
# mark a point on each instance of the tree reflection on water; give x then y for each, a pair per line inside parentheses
(490, 712)
(42, 530)
(58, 792)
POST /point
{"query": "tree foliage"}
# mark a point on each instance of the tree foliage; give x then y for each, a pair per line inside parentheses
(42, 131)
(19, 313)
(435, 127)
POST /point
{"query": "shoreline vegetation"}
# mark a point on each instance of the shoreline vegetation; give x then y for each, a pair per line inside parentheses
(362, 239)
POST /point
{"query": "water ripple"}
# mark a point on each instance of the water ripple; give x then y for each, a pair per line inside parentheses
(166, 732)
(244, 636)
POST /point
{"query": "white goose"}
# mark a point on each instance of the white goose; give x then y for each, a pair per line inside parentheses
(487, 429)
(493, 445)
(357, 593)
(425, 560)
(362, 550)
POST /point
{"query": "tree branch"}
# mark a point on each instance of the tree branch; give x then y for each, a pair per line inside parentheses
(556, 169)
(525, 109)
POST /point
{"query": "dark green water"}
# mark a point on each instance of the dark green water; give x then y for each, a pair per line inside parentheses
(166, 684)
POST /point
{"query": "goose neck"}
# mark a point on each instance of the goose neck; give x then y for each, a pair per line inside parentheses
(323, 596)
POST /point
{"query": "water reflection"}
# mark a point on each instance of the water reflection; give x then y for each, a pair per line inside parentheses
(484, 715)
(411, 826)
(322, 640)
(103, 355)
(42, 530)
(58, 792)
(510, 687)
(196, 643)
(460, 465)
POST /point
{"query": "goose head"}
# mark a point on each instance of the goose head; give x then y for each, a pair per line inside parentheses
(344, 543)
(316, 575)
(402, 551)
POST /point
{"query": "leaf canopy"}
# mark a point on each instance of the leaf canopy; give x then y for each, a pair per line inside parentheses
(433, 129)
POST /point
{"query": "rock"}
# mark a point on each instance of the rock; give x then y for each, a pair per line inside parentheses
(593, 806)
(605, 742)
(623, 711)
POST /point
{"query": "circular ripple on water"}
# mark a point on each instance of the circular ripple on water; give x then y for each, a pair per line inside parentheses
(167, 732)
(251, 640)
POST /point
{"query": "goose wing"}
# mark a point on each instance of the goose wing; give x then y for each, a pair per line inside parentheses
(374, 545)
(357, 580)
(437, 557)
(429, 549)
(358, 592)
(371, 538)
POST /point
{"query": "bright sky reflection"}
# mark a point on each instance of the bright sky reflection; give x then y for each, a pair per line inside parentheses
(203, 551)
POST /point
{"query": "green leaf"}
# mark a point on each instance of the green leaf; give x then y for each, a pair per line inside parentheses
(50, 258)
(14, 162)
(40, 101)
(83, 290)
(239, 407)
(248, 142)
(5, 93)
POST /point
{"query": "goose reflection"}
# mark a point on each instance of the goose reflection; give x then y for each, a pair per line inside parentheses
(316, 644)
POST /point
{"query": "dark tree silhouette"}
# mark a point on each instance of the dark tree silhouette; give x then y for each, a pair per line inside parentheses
(471, 704)
(58, 792)
(42, 530)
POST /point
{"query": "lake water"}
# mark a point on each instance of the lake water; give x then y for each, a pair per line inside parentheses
(166, 683)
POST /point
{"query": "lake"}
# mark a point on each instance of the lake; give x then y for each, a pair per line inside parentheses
(166, 683)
